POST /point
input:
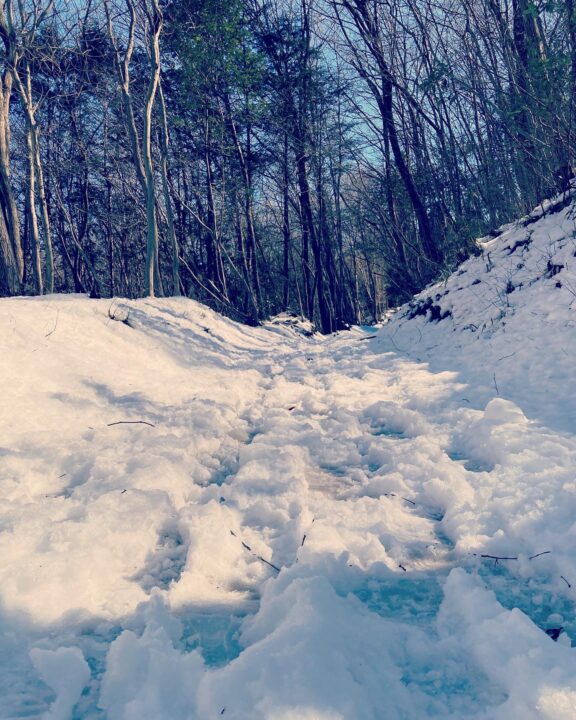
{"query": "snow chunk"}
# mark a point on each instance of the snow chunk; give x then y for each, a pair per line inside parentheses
(500, 412)
(66, 671)
(310, 654)
(537, 675)
(146, 677)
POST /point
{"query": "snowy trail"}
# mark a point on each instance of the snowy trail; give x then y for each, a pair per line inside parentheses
(278, 527)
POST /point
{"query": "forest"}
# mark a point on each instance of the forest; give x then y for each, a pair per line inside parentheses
(323, 157)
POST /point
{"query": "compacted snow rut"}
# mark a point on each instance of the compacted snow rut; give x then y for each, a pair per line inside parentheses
(204, 520)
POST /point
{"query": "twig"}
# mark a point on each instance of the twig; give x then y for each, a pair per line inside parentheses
(402, 498)
(497, 557)
(504, 357)
(566, 581)
(131, 422)
(258, 557)
(546, 552)
(303, 541)
(55, 325)
(495, 384)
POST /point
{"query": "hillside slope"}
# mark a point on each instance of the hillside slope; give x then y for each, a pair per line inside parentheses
(203, 520)
(508, 317)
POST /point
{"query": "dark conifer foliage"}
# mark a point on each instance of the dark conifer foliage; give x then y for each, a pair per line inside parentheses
(325, 157)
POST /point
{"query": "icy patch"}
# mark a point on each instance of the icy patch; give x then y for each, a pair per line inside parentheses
(408, 599)
(215, 635)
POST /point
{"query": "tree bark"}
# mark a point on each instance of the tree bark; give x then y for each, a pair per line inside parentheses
(164, 143)
(12, 254)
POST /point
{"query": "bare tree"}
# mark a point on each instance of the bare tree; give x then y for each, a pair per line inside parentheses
(31, 20)
(145, 15)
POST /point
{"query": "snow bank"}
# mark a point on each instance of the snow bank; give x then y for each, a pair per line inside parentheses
(508, 318)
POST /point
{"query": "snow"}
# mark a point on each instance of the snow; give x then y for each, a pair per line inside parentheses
(66, 672)
(200, 519)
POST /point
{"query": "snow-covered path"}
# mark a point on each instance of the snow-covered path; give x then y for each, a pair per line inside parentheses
(200, 519)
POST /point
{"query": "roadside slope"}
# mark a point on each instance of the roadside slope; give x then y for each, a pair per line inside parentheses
(508, 317)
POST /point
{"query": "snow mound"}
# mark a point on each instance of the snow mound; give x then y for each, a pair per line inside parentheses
(293, 322)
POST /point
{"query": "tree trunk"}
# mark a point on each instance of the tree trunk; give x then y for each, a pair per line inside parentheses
(142, 150)
(285, 225)
(33, 234)
(154, 30)
(12, 253)
(164, 142)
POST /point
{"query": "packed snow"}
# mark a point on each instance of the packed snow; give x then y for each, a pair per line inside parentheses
(202, 520)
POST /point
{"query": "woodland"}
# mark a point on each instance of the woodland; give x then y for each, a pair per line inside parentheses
(328, 158)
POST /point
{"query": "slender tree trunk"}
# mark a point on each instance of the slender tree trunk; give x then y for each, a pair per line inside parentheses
(307, 222)
(215, 265)
(286, 224)
(164, 142)
(571, 13)
(37, 186)
(12, 254)
(110, 237)
(33, 234)
(152, 269)
(9, 279)
(429, 245)
(311, 233)
(45, 216)
(142, 150)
